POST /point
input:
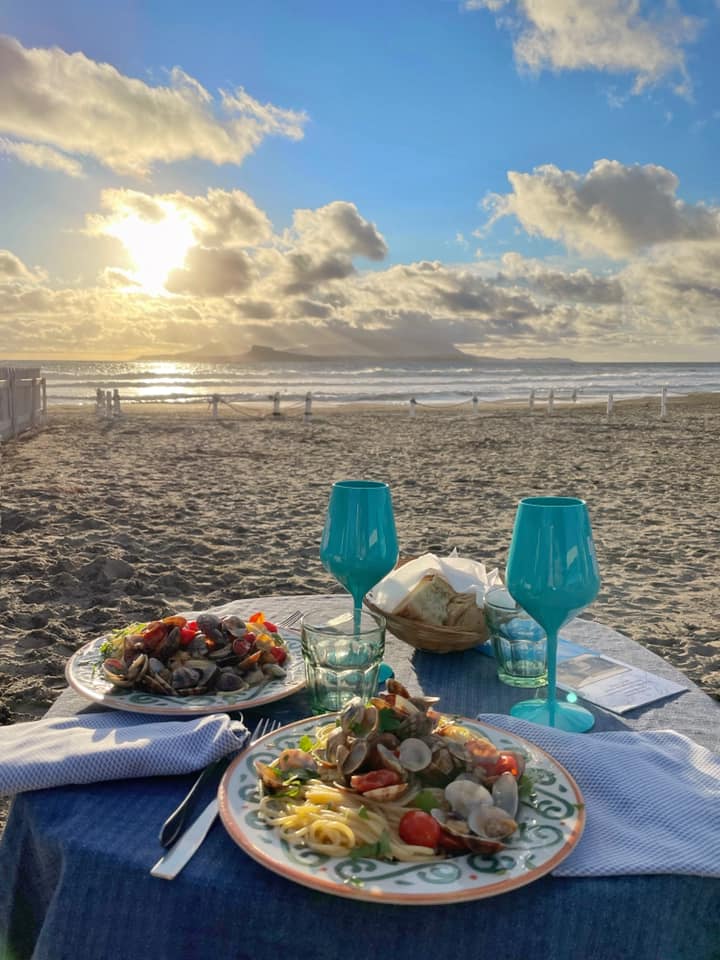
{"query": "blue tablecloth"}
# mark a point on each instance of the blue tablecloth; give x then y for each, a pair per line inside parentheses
(74, 862)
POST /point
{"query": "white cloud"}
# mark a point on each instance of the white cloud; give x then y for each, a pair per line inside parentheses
(85, 108)
(614, 210)
(614, 36)
(238, 282)
(39, 155)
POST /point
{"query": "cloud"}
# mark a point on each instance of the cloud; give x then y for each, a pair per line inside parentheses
(302, 288)
(612, 36)
(210, 272)
(339, 227)
(12, 268)
(38, 155)
(84, 108)
(613, 210)
(221, 217)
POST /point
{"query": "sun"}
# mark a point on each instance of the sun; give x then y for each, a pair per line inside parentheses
(155, 247)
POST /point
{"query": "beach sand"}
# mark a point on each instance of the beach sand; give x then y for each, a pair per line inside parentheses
(105, 522)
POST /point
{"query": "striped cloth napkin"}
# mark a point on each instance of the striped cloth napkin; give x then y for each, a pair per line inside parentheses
(652, 800)
(110, 746)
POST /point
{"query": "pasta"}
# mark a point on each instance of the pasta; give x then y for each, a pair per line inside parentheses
(331, 821)
(393, 780)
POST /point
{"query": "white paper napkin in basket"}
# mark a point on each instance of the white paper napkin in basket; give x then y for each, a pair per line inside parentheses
(462, 573)
(652, 800)
(110, 746)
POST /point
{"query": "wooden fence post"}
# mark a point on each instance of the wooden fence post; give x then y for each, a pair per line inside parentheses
(413, 404)
(215, 399)
(610, 405)
(476, 408)
(117, 412)
(276, 404)
(308, 406)
(551, 402)
(663, 404)
(531, 401)
(108, 405)
(43, 389)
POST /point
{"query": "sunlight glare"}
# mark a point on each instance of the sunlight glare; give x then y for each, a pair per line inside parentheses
(156, 248)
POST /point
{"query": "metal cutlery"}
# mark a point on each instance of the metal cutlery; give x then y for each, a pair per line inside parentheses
(173, 826)
(291, 619)
(171, 863)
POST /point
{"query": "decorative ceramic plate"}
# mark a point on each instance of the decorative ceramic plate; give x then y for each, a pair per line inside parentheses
(84, 675)
(550, 822)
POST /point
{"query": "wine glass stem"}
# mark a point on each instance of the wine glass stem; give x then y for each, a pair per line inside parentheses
(552, 643)
(357, 612)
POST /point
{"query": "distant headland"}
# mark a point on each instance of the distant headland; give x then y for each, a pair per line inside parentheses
(259, 353)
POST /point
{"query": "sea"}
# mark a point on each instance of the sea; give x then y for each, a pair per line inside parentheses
(391, 381)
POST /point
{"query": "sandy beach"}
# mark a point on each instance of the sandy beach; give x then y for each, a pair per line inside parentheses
(109, 521)
(104, 522)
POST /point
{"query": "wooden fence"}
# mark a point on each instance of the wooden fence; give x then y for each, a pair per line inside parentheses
(23, 400)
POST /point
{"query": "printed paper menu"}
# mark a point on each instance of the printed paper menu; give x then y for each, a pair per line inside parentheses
(608, 683)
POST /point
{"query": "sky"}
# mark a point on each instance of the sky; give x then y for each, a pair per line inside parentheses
(393, 178)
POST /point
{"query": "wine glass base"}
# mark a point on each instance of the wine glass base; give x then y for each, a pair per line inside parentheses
(568, 716)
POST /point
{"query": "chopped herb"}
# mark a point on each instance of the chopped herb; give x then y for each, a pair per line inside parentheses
(291, 789)
(526, 785)
(306, 743)
(373, 851)
(363, 813)
(388, 721)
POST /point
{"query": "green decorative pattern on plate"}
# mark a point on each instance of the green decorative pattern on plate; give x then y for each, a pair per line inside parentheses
(84, 675)
(550, 824)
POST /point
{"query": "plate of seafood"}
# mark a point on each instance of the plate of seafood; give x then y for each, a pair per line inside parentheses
(176, 666)
(392, 801)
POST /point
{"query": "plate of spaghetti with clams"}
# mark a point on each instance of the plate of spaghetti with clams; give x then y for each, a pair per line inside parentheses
(392, 801)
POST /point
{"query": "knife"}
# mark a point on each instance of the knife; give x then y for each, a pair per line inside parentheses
(170, 865)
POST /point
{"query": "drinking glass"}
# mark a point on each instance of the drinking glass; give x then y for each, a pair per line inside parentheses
(359, 544)
(552, 573)
(342, 649)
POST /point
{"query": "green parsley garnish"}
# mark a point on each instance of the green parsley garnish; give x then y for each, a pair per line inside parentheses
(306, 743)
(373, 851)
(425, 801)
(363, 813)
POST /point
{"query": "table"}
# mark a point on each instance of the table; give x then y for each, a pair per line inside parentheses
(74, 861)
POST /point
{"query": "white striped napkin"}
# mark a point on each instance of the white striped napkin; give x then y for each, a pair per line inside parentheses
(110, 746)
(652, 800)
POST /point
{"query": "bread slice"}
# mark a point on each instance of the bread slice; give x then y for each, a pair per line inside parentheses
(464, 613)
(428, 601)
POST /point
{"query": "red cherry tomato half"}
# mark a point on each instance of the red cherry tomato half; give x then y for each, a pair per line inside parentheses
(420, 829)
(280, 654)
(270, 626)
(504, 763)
(363, 782)
(187, 633)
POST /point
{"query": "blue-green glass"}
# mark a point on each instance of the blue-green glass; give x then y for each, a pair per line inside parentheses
(359, 543)
(552, 573)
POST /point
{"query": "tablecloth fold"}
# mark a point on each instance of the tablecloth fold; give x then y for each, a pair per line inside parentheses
(652, 800)
(110, 746)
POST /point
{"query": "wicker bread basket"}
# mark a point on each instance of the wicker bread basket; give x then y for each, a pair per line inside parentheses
(428, 636)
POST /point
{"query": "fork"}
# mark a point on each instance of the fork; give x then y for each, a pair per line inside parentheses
(291, 619)
(173, 826)
(172, 862)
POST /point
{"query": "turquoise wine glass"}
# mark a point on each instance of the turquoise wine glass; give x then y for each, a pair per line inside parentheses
(552, 573)
(359, 544)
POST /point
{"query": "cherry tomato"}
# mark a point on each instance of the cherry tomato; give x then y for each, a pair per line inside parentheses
(505, 762)
(363, 782)
(280, 654)
(187, 633)
(420, 829)
(270, 626)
